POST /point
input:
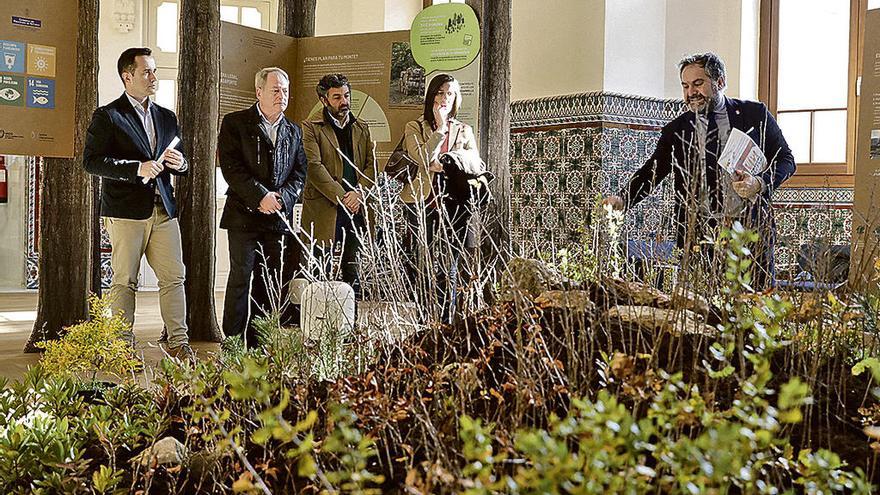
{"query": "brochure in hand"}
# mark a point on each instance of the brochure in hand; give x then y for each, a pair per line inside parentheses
(741, 153)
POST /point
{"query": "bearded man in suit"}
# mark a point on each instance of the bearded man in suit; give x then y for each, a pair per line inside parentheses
(707, 197)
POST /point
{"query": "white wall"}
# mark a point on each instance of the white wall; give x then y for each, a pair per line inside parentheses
(557, 47)
(364, 16)
(110, 44)
(561, 47)
(709, 25)
(635, 42)
(13, 225)
(399, 14)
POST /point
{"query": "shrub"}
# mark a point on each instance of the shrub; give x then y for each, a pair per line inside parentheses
(92, 346)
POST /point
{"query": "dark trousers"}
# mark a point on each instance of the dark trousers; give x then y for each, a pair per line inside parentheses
(255, 270)
(346, 245)
(445, 234)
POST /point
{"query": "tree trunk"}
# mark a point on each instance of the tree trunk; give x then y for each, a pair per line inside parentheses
(96, 283)
(198, 113)
(495, 20)
(66, 205)
(297, 18)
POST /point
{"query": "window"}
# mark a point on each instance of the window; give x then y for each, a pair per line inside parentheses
(241, 13)
(809, 82)
(162, 37)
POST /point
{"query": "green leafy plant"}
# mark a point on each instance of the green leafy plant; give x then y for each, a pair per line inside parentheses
(53, 442)
(92, 346)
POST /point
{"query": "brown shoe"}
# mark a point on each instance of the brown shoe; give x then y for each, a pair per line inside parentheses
(182, 352)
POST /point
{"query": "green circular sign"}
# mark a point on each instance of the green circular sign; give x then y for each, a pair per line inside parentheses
(445, 37)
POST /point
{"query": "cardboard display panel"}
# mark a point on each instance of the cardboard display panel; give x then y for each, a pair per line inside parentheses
(366, 60)
(387, 82)
(866, 202)
(38, 77)
(244, 51)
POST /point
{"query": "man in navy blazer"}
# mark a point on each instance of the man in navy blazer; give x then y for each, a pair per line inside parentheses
(263, 161)
(707, 197)
(128, 147)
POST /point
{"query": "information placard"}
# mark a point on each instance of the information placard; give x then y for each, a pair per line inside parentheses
(387, 80)
(445, 38)
(866, 201)
(38, 77)
(244, 51)
(366, 60)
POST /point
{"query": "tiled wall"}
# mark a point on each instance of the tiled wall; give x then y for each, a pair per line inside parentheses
(33, 231)
(811, 215)
(566, 150)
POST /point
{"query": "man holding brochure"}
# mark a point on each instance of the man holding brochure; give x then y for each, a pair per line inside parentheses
(131, 144)
(727, 156)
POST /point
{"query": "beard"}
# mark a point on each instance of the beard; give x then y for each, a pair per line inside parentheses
(703, 103)
(698, 104)
(340, 113)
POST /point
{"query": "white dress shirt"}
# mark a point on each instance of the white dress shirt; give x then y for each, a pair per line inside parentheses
(146, 117)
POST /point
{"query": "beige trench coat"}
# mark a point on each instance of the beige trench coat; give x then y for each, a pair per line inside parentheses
(423, 145)
(324, 191)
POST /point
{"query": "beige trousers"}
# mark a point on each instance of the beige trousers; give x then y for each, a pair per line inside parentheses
(157, 237)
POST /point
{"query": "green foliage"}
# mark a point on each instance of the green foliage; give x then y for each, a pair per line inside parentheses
(601, 446)
(481, 458)
(575, 264)
(263, 422)
(599, 248)
(345, 451)
(47, 429)
(869, 363)
(105, 480)
(682, 444)
(91, 346)
(351, 452)
(822, 472)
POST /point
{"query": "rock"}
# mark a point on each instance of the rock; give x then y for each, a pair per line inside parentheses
(577, 301)
(168, 450)
(529, 278)
(389, 321)
(639, 294)
(683, 298)
(635, 293)
(676, 321)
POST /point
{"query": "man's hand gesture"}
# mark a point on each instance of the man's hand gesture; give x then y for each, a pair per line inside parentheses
(352, 201)
(270, 203)
(149, 170)
(172, 159)
(746, 185)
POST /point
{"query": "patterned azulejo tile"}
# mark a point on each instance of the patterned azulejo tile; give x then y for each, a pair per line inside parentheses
(559, 166)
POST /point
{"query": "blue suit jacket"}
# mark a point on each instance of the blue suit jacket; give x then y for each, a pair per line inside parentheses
(677, 153)
(116, 144)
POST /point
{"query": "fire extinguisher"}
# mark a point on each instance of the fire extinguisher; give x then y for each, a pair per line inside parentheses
(4, 181)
